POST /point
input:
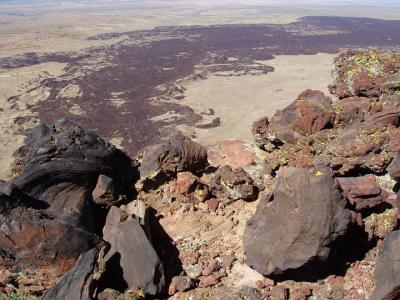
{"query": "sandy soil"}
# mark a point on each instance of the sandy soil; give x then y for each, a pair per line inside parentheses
(23, 82)
(239, 101)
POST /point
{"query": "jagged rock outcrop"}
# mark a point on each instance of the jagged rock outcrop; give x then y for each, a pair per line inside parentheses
(60, 165)
(311, 112)
(47, 216)
(365, 74)
(363, 135)
(298, 226)
(387, 272)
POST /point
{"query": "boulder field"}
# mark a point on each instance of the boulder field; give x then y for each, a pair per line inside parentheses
(309, 211)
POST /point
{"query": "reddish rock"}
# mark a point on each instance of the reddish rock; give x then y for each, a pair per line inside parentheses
(394, 168)
(311, 112)
(235, 184)
(364, 85)
(388, 116)
(234, 153)
(180, 284)
(186, 182)
(206, 281)
(361, 192)
(266, 282)
(301, 292)
(316, 112)
(213, 204)
(213, 266)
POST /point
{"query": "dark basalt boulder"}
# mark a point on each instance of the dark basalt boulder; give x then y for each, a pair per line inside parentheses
(79, 283)
(233, 184)
(132, 253)
(47, 214)
(60, 165)
(160, 162)
(387, 271)
(311, 112)
(297, 228)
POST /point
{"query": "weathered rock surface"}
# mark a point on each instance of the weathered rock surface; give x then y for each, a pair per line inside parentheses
(297, 225)
(311, 112)
(362, 192)
(363, 134)
(160, 162)
(387, 272)
(364, 73)
(132, 252)
(235, 184)
(378, 225)
(394, 168)
(240, 154)
(78, 283)
(49, 205)
(60, 165)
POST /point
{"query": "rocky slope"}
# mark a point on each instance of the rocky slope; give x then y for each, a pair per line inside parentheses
(308, 212)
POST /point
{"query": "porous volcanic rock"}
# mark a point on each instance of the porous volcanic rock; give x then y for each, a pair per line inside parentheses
(132, 253)
(160, 162)
(387, 272)
(297, 225)
(311, 112)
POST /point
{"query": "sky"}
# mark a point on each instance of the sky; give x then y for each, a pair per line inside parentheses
(224, 2)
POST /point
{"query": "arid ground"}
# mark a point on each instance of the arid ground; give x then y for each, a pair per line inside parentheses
(136, 75)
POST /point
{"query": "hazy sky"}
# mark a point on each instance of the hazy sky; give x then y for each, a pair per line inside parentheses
(221, 2)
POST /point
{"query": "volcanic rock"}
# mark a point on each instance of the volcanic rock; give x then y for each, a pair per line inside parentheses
(279, 293)
(160, 162)
(190, 189)
(78, 283)
(133, 253)
(394, 168)
(33, 240)
(295, 228)
(378, 225)
(363, 73)
(387, 272)
(47, 214)
(180, 284)
(60, 165)
(312, 111)
(362, 192)
(235, 184)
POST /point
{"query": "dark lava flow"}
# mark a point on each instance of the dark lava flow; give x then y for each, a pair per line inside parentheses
(143, 60)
